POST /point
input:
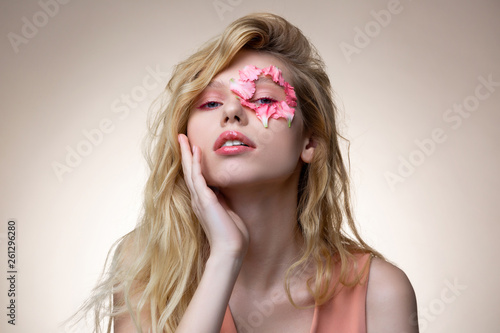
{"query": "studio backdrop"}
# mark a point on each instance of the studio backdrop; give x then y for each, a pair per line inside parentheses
(418, 88)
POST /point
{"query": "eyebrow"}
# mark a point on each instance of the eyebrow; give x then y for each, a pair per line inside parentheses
(265, 79)
(217, 84)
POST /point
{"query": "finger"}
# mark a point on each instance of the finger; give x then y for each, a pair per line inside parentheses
(186, 158)
(199, 182)
(185, 150)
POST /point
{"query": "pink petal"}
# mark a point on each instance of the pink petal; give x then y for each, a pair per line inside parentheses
(275, 74)
(250, 73)
(283, 110)
(248, 104)
(279, 111)
(264, 112)
(244, 89)
(291, 98)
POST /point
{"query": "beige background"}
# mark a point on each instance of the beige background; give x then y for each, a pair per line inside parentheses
(439, 224)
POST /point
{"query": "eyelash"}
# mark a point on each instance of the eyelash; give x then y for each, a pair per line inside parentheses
(206, 107)
(272, 100)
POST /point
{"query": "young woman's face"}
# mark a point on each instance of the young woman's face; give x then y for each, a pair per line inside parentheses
(218, 119)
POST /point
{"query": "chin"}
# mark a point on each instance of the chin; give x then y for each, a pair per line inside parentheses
(234, 175)
(226, 181)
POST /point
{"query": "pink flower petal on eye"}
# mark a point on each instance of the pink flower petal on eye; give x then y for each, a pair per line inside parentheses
(244, 89)
(264, 112)
(248, 104)
(250, 73)
(284, 111)
(275, 74)
(279, 111)
(291, 98)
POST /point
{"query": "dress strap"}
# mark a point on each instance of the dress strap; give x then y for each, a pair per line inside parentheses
(228, 325)
(345, 313)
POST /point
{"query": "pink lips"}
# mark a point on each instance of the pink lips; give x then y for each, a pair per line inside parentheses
(232, 150)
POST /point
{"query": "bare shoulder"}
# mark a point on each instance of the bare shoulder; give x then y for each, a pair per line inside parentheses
(387, 282)
(391, 304)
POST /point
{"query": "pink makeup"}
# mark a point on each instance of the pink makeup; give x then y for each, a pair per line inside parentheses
(244, 88)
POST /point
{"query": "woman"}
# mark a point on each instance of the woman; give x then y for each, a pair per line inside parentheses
(247, 203)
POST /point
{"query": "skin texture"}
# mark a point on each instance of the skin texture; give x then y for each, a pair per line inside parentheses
(246, 204)
(278, 145)
(391, 305)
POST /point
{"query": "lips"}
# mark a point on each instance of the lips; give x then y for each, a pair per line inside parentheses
(226, 136)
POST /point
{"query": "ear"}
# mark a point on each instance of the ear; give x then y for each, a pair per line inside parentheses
(308, 149)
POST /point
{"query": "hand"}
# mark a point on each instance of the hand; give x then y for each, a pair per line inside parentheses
(226, 232)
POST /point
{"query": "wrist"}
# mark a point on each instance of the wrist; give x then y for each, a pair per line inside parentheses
(229, 252)
(222, 262)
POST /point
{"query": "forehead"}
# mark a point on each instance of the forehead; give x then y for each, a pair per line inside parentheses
(257, 59)
(219, 83)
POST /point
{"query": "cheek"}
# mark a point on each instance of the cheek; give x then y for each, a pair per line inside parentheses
(191, 130)
(281, 142)
(198, 134)
(290, 142)
(195, 130)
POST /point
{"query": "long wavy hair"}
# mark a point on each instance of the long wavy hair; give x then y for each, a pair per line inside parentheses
(156, 268)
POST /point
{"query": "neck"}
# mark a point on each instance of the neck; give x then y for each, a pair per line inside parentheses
(270, 214)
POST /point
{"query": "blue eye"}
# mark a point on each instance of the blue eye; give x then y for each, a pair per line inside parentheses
(266, 100)
(210, 105)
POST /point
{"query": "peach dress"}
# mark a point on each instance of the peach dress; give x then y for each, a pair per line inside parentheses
(345, 313)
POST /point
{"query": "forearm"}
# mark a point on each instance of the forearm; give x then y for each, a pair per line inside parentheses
(206, 310)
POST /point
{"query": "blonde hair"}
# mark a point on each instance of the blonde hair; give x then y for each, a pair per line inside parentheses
(159, 264)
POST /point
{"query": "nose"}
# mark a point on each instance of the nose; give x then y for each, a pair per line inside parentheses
(233, 112)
